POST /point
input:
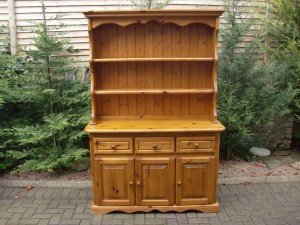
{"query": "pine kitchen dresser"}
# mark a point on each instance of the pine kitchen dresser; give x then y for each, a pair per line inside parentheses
(154, 133)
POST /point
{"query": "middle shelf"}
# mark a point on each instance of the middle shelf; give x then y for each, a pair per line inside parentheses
(161, 59)
(153, 91)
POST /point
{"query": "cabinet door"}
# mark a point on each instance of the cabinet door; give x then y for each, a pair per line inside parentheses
(114, 181)
(155, 181)
(195, 180)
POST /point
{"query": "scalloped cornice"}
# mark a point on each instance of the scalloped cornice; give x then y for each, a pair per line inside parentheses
(179, 17)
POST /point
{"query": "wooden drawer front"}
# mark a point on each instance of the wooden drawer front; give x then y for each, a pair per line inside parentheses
(113, 145)
(154, 145)
(195, 144)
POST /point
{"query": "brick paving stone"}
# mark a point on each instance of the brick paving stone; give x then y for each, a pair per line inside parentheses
(85, 222)
(29, 221)
(214, 221)
(68, 214)
(31, 192)
(253, 204)
(275, 222)
(165, 215)
(233, 189)
(3, 221)
(6, 192)
(181, 218)
(70, 221)
(257, 219)
(29, 213)
(82, 216)
(57, 192)
(149, 215)
(96, 219)
(248, 223)
(128, 222)
(139, 218)
(55, 219)
(15, 192)
(172, 221)
(48, 193)
(44, 222)
(198, 220)
(40, 192)
(112, 221)
(74, 193)
(156, 221)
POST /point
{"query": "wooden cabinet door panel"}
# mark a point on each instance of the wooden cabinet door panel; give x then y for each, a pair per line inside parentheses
(194, 179)
(155, 181)
(115, 181)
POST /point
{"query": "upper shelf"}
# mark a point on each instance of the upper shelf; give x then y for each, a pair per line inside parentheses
(153, 91)
(168, 59)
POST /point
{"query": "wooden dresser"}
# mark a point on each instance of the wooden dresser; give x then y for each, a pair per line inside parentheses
(154, 133)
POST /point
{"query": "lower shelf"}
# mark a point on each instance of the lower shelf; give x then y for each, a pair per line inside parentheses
(212, 208)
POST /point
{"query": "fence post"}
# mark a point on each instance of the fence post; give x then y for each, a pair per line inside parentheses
(12, 26)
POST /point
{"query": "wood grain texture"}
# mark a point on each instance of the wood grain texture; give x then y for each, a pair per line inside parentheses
(155, 181)
(114, 181)
(153, 125)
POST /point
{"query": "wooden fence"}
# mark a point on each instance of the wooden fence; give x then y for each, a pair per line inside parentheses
(14, 14)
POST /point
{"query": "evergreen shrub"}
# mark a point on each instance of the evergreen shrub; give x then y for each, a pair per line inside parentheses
(249, 97)
(43, 108)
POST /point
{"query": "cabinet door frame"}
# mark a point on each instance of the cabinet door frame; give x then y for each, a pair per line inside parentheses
(209, 163)
(170, 195)
(129, 163)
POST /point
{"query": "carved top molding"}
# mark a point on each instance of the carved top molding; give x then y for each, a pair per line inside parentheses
(180, 17)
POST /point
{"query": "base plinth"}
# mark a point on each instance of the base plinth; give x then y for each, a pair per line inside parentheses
(212, 208)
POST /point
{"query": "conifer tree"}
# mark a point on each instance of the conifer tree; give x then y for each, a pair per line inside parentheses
(54, 106)
(150, 4)
(248, 99)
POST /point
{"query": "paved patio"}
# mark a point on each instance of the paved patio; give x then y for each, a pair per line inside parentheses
(277, 203)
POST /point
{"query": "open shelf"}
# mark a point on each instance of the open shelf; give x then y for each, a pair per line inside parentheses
(165, 59)
(154, 125)
(153, 91)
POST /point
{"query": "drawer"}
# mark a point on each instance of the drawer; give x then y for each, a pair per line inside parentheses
(195, 144)
(154, 145)
(113, 145)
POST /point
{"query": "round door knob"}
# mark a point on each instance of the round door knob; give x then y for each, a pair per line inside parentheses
(130, 183)
(179, 183)
(138, 183)
(196, 145)
(154, 146)
(113, 147)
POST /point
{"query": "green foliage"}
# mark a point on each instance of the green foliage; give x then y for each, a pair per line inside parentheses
(150, 4)
(45, 106)
(248, 96)
(282, 33)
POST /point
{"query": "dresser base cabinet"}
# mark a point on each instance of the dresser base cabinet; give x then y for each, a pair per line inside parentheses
(157, 174)
(154, 132)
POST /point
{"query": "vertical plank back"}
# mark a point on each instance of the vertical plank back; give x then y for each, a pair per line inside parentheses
(154, 40)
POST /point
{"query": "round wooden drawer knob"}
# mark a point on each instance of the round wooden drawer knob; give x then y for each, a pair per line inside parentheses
(130, 183)
(179, 183)
(138, 183)
(113, 147)
(154, 146)
(196, 145)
